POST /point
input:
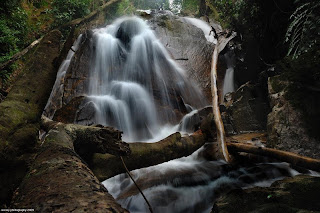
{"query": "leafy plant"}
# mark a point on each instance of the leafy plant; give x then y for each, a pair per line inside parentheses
(304, 30)
(235, 13)
(4, 76)
(13, 33)
(191, 6)
(125, 7)
(67, 10)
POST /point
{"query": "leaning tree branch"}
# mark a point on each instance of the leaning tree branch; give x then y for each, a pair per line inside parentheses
(19, 54)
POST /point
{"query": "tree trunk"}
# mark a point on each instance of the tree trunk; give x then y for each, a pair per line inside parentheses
(222, 151)
(20, 113)
(60, 181)
(142, 155)
(221, 137)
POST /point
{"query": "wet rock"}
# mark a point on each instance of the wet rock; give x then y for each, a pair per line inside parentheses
(249, 108)
(192, 121)
(77, 78)
(286, 128)
(68, 113)
(188, 46)
(296, 194)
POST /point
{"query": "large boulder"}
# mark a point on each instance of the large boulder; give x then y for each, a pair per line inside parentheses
(188, 47)
(247, 109)
(286, 127)
(294, 194)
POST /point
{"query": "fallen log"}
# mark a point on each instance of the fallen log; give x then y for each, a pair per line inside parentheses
(142, 155)
(59, 180)
(20, 113)
(19, 54)
(289, 157)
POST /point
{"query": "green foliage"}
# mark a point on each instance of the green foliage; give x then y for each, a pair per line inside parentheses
(4, 76)
(304, 30)
(190, 6)
(67, 10)
(235, 13)
(150, 4)
(125, 7)
(6, 7)
(13, 32)
(303, 73)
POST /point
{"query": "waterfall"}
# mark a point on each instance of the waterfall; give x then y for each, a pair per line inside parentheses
(228, 83)
(134, 84)
(204, 26)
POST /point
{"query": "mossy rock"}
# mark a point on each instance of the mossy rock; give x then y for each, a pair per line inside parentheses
(296, 194)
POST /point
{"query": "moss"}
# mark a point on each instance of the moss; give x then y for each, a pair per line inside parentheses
(20, 111)
(298, 194)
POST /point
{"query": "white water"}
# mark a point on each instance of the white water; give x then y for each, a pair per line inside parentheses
(135, 85)
(58, 86)
(204, 26)
(228, 83)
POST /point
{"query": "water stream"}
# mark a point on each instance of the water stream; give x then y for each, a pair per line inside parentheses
(190, 184)
(228, 82)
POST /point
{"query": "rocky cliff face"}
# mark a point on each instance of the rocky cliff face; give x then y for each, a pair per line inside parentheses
(187, 46)
(286, 127)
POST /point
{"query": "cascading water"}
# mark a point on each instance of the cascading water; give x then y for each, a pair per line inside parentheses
(134, 84)
(190, 184)
(204, 26)
(228, 83)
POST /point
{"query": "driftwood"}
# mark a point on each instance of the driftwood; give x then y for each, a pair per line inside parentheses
(142, 155)
(289, 157)
(59, 180)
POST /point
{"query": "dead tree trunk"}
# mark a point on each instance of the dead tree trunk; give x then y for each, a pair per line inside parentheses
(222, 151)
